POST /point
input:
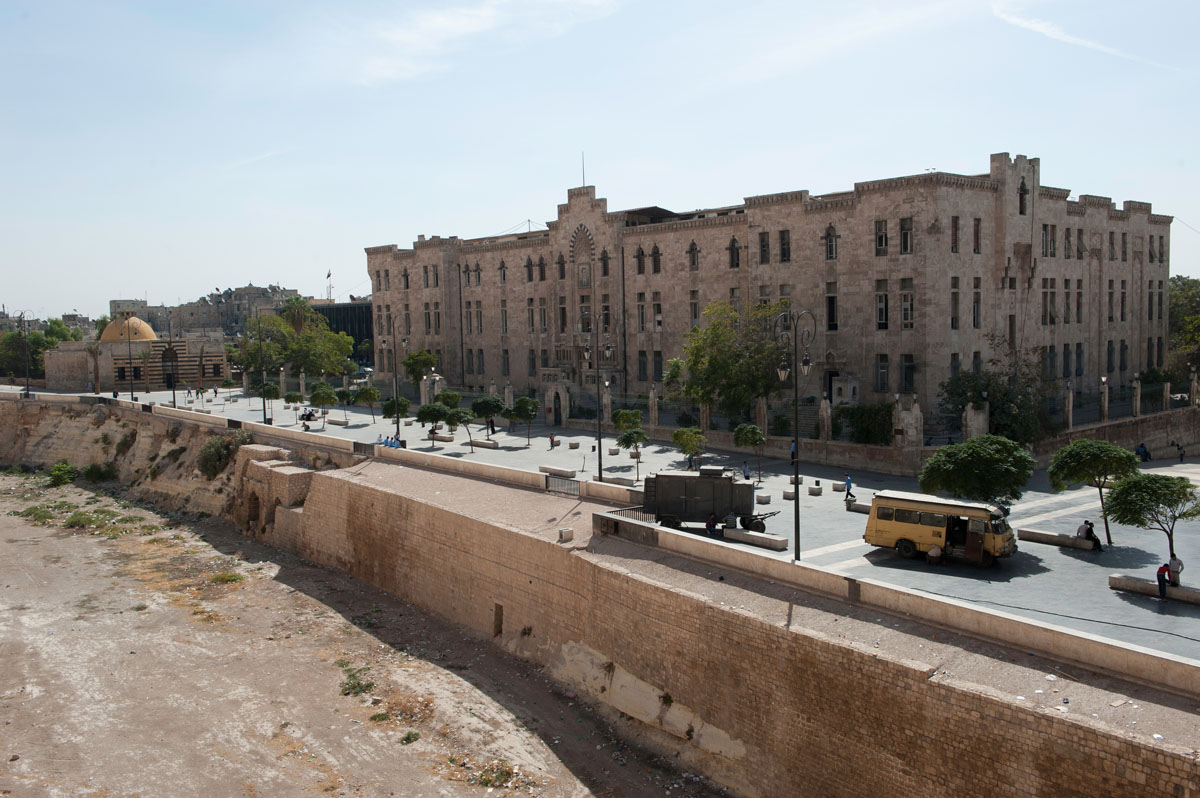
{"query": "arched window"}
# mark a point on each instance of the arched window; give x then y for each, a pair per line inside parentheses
(655, 260)
(640, 258)
(604, 263)
(562, 267)
(541, 269)
(831, 238)
(529, 270)
(735, 254)
(693, 253)
(503, 273)
(1022, 193)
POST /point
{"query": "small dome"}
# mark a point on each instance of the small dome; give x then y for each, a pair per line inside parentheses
(138, 330)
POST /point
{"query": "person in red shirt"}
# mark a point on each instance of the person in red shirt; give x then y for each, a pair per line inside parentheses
(1162, 573)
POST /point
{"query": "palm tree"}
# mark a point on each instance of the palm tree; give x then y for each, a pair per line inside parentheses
(296, 312)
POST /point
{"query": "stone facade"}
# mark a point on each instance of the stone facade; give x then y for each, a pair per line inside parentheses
(908, 278)
(226, 311)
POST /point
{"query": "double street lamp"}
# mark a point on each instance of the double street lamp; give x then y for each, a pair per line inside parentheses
(396, 373)
(588, 349)
(790, 333)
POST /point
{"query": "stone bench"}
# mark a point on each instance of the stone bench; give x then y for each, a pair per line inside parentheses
(858, 507)
(796, 480)
(408, 422)
(486, 444)
(789, 495)
(838, 487)
(760, 539)
(814, 490)
(233, 399)
(203, 410)
(566, 473)
(339, 422)
(442, 438)
(1149, 587)
(762, 498)
(614, 450)
(573, 445)
(1053, 539)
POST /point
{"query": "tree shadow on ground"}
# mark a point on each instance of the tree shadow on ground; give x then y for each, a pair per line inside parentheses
(1122, 557)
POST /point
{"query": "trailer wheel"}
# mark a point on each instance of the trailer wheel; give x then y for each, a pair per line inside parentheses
(745, 521)
(906, 549)
(758, 525)
(670, 521)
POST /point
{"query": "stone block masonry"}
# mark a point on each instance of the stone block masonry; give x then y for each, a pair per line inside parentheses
(766, 710)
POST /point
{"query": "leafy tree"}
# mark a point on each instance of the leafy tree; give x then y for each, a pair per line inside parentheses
(317, 350)
(729, 361)
(450, 399)
(523, 409)
(432, 414)
(363, 350)
(1184, 307)
(627, 419)
(314, 349)
(270, 392)
(460, 417)
(344, 398)
(102, 321)
(398, 404)
(1095, 463)
(322, 396)
(633, 439)
(870, 424)
(368, 396)
(1153, 501)
(989, 468)
(417, 364)
(62, 473)
(751, 437)
(297, 313)
(294, 398)
(487, 408)
(691, 441)
(1014, 384)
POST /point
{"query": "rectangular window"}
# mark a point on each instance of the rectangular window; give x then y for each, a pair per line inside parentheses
(882, 382)
(1122, 300)
(605, 318)
(1124, 355)
(428, 320)
(479, 360)
(1067, 243)
(881, 305)
(562, 314)
(641, 368)
(545, 358)
(658, 366)
(955, 364)
(1111, 297)
(1150, 301)
(468, 314)
(404, 279)
(1053, 302)
(479, 317)
(976, 362)
(378, 281)
(1012, 330)
(425, 276)
(977, 306)
(1124, 247)
(785, 246)
(954, 234)
(764, 247)
(908, 370)
(504, 364)
(831, 238)
(908, 308)
(1112, 245)
(1149, 352)
(1160, 303)
(1110, 360)
(641, 311)
(656, 307)
(694, 306)
(1045, 302)
(437, 317)
(407, 321)
(542, 314)
(1053, 238)
(1079, 243)
(1066, 358)
(470, 361)
(1078, 360)
(831, 315)
(1045, 240)
(1079, 301)
(532, 363)
(977, 236)
(529, 312)
(504, 317)
(906, 236)
(387, 280)
(1162, 251)
(435, 275)
(881, 238)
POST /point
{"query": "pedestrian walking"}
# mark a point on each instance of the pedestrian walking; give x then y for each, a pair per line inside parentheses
(551, 440)
(1162, 573)
(793, 452)
(849, 492)
(745, 470)
(710, 526)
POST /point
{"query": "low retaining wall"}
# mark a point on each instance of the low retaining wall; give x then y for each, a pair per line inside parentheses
(1178, 674)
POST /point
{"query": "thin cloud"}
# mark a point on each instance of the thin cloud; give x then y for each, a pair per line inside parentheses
(1011, 13)
(256, 158)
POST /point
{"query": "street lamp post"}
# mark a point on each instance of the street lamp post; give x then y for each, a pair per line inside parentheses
(172, 357)
(25, 330)
(262, 369)
(396, 374)
(789, 331)
(129, 354)
(588, 349)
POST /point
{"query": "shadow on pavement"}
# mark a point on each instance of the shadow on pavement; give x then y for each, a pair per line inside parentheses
(1126, 558)
(1019, 566)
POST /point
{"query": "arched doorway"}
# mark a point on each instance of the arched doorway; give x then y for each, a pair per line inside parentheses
(557, 409)
(170, 362)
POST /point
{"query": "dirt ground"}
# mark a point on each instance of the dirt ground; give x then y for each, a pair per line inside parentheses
(147, 655)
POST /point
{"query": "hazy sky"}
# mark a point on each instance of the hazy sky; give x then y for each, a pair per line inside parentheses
(164, 149)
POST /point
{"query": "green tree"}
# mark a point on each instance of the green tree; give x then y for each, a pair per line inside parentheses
(450, 399)
(730, 360)
(322, 396)
(1154, 501)
(750, 436)
(318, 350)
(102, 322)
(989, 468)
(294, 398)
(487, 408)
(1095, 463)
(627, 419)
(432, 414)
(398, 404)
(417, 364)
(460, 417)
(523, 409)
(691, 441)
(633, 439)
(299, 315)
(57, 330)
(270, 392)
(344, 398)
(369, 396)
(363, 350)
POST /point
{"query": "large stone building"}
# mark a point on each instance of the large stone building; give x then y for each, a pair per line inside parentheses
(909, 278)
(226, 312)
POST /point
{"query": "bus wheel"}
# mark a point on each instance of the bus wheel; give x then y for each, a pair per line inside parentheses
(906, 549)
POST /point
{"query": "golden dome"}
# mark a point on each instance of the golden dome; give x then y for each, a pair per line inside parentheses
(138, 330)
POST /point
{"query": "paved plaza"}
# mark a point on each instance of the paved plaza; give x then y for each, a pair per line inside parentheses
(1048, 584)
